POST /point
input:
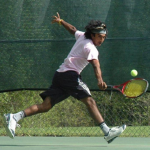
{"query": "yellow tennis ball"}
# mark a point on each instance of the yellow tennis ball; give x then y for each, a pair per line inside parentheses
(134, 73)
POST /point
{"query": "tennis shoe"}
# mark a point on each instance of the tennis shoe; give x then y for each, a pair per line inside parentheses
(10, 125)
(114, 133)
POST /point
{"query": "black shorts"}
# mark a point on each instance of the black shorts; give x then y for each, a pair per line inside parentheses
(66, 84)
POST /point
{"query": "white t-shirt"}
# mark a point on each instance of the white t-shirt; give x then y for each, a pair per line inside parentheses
(82, 51)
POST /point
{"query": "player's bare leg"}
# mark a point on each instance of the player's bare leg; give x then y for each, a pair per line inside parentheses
(39, 108)
(11, 120)
(93, 110)
(96, 115)
(110, 133)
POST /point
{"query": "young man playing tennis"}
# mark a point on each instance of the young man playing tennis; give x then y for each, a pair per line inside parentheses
(67, 80)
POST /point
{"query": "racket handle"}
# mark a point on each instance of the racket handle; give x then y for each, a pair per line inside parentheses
(109, 86)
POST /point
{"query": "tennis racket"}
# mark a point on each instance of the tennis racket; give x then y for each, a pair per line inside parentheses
(132, 88)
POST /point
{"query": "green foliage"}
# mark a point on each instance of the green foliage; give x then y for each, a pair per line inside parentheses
(119, 109)
(72, 113)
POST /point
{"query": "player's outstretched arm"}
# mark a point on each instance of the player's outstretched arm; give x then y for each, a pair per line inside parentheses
(96, 65)
(69, 27)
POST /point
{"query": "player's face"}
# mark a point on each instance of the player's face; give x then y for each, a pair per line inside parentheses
(98, 39)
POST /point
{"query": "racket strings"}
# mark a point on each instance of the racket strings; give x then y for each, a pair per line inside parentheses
(135, 88)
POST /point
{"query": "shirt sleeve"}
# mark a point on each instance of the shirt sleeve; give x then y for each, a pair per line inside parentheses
(91, 53)
(78, 34)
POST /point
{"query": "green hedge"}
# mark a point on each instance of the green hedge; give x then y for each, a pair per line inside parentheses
(72, 113)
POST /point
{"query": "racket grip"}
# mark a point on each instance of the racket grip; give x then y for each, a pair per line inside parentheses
(109, 86)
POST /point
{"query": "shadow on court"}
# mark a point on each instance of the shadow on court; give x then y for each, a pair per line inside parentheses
(72, 143)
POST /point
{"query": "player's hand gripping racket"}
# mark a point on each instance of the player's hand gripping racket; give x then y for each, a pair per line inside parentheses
(132, 88)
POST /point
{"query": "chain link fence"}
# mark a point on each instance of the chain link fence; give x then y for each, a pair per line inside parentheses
(32, 49)
(71, 118)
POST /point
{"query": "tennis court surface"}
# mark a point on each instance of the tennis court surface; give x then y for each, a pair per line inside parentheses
(72, 143)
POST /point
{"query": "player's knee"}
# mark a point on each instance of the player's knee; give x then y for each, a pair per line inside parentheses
(89, 102)
(46, 108)
(46, 104)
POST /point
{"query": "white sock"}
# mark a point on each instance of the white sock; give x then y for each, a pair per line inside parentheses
(19, 115)
(104, 128)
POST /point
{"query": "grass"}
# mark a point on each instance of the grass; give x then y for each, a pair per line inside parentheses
(131, 131)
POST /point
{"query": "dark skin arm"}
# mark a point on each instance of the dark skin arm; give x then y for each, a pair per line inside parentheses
(70, 28)
(96, 65)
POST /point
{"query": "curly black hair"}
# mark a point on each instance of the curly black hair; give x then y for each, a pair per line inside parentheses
(93, 24)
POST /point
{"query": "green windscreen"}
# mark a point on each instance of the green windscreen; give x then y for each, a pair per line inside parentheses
(31, 48)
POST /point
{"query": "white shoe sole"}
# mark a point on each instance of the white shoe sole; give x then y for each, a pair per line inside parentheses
(7, 129)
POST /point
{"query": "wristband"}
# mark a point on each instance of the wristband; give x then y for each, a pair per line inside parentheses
(60, 21)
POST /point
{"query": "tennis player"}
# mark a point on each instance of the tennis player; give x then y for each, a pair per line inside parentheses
(67, 79)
